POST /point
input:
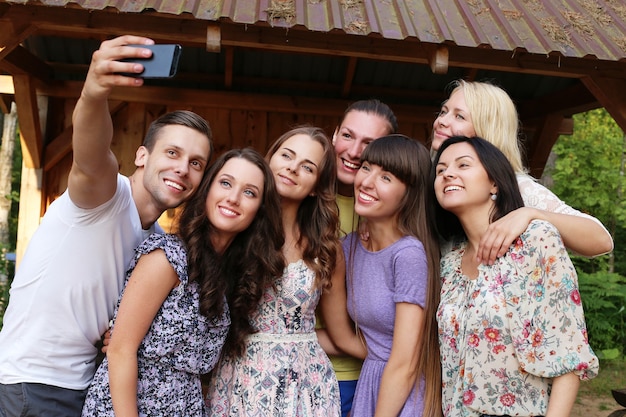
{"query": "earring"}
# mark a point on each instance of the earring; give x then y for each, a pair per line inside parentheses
(494, 197)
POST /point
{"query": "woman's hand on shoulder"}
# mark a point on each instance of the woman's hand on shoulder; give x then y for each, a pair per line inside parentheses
(501, 234)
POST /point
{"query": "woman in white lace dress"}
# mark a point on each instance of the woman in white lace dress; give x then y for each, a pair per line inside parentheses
(485, 110)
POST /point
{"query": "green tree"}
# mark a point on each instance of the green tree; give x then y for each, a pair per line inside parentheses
(589, 175)
(10, 173)
(604, 300)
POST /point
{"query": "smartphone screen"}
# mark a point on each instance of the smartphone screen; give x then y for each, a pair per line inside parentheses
(162, 64)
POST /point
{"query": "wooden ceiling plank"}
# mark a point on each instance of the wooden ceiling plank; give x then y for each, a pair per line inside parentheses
(228, 67)
(233, 100)
(348, 77)
(4, 7)
(571, 100)
(30, 129)
(611, 93)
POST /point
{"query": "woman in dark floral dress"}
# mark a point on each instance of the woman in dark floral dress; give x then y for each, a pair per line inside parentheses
(172, 319)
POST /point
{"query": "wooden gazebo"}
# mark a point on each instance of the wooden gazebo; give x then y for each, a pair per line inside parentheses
(253, 68)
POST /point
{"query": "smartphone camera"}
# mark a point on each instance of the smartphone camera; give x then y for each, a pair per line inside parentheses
(162, 64)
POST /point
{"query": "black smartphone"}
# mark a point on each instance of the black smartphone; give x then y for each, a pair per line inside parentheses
(162, 64)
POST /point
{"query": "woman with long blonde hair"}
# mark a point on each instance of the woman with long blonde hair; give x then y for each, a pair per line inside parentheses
(483, 109)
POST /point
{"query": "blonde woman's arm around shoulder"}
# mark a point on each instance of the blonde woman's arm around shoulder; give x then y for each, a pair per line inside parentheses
(581, 233)
(149, 285)
(400, 373)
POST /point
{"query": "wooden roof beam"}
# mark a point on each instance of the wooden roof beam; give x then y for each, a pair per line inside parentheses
(184, 29)
(229, 59)
(172, 96)
(571, 100)
(21, 62)
(58, 148)
(348, 76)
(13, 58)
(410, 50)
(74, 21)
(14, 31)
(5, 103)
(213, 38)
(30, 128)
(545, 137)
(438, 59)
(611, 93)
(61, 145)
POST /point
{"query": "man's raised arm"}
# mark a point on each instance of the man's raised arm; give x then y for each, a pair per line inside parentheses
(92, 179)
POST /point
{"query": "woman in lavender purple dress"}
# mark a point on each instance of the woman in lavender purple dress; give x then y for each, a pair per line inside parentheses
(393, 282)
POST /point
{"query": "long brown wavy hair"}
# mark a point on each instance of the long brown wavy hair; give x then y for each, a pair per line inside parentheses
(318, 215)
(252, 259)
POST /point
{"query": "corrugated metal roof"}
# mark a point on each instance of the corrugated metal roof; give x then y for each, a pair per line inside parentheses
(574, 28)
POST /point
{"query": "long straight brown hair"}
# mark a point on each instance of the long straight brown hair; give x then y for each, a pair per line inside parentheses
(410, 162)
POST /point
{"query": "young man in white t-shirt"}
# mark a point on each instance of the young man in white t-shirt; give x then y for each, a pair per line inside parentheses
(69, 280)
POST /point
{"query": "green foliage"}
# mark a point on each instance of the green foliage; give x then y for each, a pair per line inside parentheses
(16, 180)
(587, 170)
(588, 175)
(7, 270)
(604, 300)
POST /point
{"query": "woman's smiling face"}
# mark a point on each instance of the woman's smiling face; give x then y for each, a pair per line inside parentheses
(454, 119)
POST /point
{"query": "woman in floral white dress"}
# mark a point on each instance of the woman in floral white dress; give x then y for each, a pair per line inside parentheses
(283, 370)
(513, 338)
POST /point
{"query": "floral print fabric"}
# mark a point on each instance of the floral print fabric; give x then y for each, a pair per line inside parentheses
(180, 345)
(284, 371)
(507, 333)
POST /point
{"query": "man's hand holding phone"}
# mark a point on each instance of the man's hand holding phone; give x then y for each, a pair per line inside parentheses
(125, 61)
(107, 66)
(163, 63)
